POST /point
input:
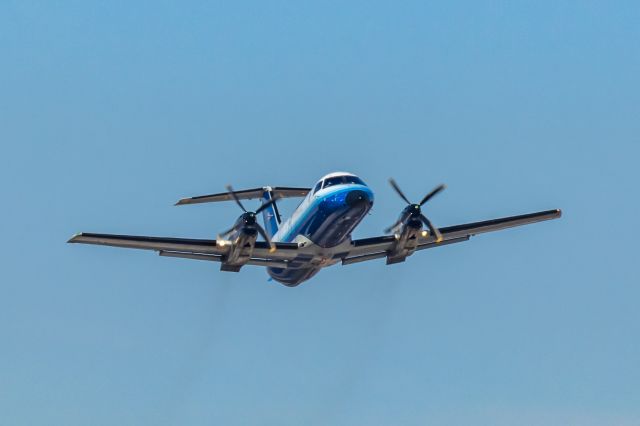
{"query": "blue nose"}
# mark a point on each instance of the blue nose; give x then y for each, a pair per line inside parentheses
(357, 198)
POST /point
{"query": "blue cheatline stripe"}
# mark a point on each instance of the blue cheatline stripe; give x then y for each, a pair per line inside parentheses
(270, 216)
(313, 208)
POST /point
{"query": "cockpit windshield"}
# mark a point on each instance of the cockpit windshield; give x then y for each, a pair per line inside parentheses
(354, 180)
(341, 180)
(332, 181)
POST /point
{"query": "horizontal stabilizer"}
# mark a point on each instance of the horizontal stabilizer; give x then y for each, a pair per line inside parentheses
(247, 194)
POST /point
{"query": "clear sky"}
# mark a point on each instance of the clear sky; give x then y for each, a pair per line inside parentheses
(111, 111)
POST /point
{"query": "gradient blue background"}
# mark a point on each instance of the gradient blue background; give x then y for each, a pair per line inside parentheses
(111, 111)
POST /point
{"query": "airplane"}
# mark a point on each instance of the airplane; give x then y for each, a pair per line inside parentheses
(318, 233)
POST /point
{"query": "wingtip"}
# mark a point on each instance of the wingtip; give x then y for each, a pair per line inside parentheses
(559, 212)
(74, 237)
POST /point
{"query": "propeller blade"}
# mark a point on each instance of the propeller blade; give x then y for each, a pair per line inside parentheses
(272, 247)
(267, 204)
(392, 227)
(398, 222)
(235, 198)
(227, 232)
(395, 186)
(432, 229)
(430, 195)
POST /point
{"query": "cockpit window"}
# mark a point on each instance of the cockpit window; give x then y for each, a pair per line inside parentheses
(317, 188)
(339, 180)
(333, 181)
(353, 179)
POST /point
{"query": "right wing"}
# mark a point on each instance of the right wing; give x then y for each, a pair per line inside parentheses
(379, 247)
(247, 194)
(474, 228)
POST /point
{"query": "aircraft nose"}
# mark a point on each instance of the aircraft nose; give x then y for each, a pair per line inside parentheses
(356, 198)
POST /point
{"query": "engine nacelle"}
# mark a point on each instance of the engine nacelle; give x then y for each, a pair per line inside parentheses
(406, 243)
(241, 247)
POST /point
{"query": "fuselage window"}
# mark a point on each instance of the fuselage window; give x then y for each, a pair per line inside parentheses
(317, 188)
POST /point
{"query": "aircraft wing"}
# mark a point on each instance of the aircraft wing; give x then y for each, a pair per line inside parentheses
(200, 249)
(378, 247)
(292, 255)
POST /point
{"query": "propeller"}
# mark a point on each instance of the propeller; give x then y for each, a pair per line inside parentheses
(415, 210)
(249, 218)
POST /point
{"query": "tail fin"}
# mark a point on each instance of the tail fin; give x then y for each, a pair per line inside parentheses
(270, 215)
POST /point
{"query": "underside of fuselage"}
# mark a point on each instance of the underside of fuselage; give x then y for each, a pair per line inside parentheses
(326, 219)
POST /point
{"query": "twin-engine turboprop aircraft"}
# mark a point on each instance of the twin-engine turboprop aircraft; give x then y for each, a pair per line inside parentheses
(318, 233)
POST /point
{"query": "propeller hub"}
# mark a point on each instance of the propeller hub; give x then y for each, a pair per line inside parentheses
(250, 218)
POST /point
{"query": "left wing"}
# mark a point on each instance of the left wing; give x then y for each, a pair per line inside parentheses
(192, 248)
(379, 247)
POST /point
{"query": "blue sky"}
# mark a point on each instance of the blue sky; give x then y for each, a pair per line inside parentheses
(110, 112)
